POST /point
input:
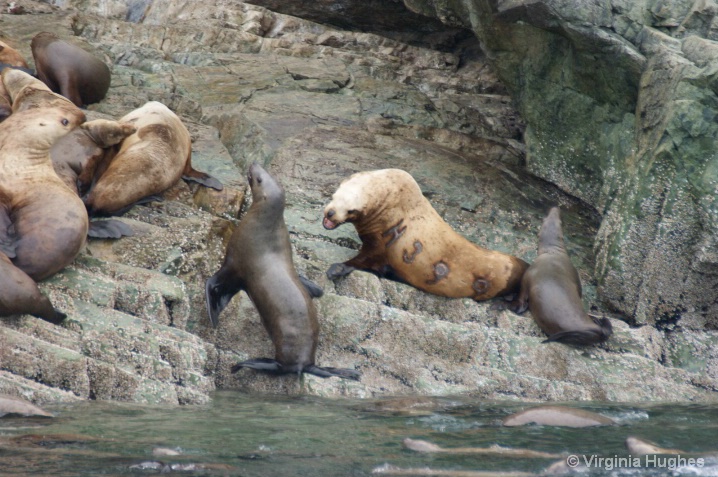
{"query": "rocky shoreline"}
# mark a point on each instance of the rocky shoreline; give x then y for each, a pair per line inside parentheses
(315, 103)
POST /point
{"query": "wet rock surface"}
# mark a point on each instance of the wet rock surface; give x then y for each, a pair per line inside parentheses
(315, 104)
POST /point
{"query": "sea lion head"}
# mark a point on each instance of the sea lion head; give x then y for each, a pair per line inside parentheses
(349, 200)
(106, 132)
(265, 189)
(551, 233)
(47, 125)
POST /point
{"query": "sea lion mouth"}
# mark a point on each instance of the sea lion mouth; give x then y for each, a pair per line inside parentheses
(329, 225)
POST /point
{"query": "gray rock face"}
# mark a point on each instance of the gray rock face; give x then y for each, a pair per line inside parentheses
(315, 104)
(619, 102)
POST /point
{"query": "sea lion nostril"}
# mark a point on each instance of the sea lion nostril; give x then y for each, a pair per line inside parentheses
(330, 214)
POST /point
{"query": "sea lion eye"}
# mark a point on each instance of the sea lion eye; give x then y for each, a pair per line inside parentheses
(352, 212)
(259, 179)
(65, 122)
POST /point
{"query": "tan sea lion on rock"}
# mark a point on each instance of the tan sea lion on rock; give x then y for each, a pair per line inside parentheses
(403, 237)
(148, 162)
(48, 220)
(551, 289)
(69, 70)
(259, 261)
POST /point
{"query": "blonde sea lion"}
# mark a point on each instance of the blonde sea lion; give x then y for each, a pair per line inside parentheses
(259, 261)
(148, 162)
(69, 70)
(551, 289)
(430, 448)
(403, 237)
(10, 56)
(81, 157)
(557, 416)
(48, 221)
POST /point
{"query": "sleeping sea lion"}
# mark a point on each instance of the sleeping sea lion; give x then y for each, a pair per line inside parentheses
(10, 56)
(48, 222)
(404, 238)
(148, 162)
(551, 288)
(69, 70)
(259, 261)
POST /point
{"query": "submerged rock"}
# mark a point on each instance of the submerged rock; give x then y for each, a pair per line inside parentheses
(314, 104)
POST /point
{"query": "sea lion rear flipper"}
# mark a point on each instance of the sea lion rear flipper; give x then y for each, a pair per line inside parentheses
(314, 290)
(338, 270)
(55, 318)
(330, 372)
(112, 229)
(218, 293)
(202, 178)
(261, 364)
(580, 337)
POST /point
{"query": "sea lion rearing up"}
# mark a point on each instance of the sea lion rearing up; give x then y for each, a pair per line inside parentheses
(149, 162)
(259, 261)
(69, 70)
(403, 237)
(48, 220)
(551, 289)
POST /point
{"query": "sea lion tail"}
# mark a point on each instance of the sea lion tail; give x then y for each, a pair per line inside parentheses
(606, 327)
(330, 372)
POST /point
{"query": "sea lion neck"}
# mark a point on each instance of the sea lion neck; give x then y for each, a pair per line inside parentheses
(551, 233)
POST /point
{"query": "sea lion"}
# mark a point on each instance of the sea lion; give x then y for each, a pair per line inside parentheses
(259, 261)
(47, 221)
(557, 416)
(403, 237)
(14, 406)
(19, 294)
(69, 70)
(81, 157)
(551, 288)
(10, 56)
(149, 162)
(431, 448)
(638, 446)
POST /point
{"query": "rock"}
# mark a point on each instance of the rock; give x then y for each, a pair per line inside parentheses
(13, 406)
(619, 103)
(314, 104)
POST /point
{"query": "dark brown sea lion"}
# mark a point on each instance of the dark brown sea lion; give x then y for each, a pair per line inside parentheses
(259, 261)
(69, 70)
(149, 162)
(404, 238)
(48, 220)
(551, 288)
(557, 416)
(82, 156)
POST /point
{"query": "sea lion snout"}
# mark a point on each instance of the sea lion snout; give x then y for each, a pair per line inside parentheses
(328, 223)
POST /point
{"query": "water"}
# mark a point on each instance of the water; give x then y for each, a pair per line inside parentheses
(239, 434)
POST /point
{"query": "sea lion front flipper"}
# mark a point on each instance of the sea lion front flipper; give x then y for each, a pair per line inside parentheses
(323, 372)
(201, 178)
(260, 364)
(314, 290)
(338, 270)
(218, 293)
(112, 229)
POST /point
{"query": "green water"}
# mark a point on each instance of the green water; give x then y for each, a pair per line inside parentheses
(305, 436)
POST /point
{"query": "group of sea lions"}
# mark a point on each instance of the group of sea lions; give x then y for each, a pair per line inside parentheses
(104, 167)
(58, 171)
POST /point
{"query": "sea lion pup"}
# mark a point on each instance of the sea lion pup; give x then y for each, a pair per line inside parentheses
(69, 70)
(259, 261)
(404, 238)
(551, 288)
(82, 156)
(557, 416)
(48, 221)
(638, 446)
(10, 56)
(149, 162)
